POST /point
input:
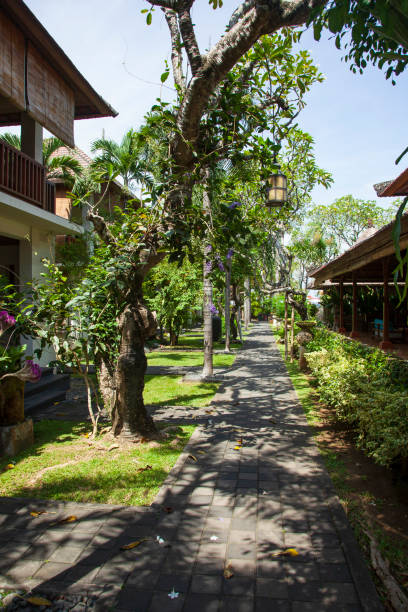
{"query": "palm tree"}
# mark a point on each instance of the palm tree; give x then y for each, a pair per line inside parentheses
(64, 167)
(127, 159)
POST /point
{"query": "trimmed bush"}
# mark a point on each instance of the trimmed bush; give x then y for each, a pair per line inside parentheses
(367, 389)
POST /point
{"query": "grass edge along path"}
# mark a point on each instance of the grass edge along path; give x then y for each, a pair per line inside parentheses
(338, 472)
(90, 471)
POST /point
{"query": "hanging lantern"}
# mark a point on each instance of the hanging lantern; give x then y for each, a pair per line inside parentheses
(276, 190)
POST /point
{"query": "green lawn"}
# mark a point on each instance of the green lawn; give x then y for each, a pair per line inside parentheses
(86, 473)
(178, 358)
(171, 391)
(197, 342)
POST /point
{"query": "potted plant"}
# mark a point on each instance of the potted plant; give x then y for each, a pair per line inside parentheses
(13, 376)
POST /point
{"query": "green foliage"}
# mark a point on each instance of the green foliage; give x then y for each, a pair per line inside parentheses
(173, 292)
(368, 391)
(372, 32)
(344, 219)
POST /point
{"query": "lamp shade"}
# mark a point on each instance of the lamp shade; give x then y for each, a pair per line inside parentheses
(277, 193)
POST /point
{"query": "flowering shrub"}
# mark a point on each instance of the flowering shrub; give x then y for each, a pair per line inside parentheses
(10, 356)
(367, 390)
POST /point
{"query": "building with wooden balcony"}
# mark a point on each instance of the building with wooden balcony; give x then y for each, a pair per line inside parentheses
(39, 88)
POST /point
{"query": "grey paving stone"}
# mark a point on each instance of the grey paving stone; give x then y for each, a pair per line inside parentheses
(168, 582)
(237, 604)
(161, 601)
(208, 584)
(263, 604)
(240, 585)
(200, 603)
(132, 599)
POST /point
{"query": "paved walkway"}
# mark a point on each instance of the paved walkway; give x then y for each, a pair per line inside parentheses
(232, 507)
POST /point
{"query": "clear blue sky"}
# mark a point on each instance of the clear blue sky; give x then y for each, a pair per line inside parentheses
(358, 122)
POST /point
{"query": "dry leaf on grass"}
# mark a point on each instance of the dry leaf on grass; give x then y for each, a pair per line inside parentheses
(38, 601)
(134, 544)
(112, 447)
(144, 469)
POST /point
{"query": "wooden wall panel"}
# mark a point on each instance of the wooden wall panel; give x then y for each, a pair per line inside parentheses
(50, 100)
(12, 51)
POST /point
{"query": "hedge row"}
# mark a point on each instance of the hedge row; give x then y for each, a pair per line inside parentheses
(367, 389)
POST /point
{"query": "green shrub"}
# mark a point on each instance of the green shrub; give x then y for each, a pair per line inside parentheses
(367, 390)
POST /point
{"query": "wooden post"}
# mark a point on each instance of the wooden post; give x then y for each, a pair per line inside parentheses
(286, 325)
(386, 343)
(354, 332)
(292, 333)
(342, 329)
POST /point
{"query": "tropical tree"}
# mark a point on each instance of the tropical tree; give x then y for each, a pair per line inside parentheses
(125, 159)
(345, 219)
(173, 291)
(372, 32)
(63, 167)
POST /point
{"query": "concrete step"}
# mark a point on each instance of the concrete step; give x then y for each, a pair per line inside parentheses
(49, 389)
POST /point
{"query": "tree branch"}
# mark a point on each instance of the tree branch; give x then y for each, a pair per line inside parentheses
(261, 19)
(101, 228)
(176, 56)
(189, 38)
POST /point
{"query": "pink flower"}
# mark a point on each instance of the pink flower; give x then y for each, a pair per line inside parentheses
(6, 320)
(30, 372)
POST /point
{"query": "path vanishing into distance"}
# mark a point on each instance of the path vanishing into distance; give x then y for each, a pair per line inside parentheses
(249, 486)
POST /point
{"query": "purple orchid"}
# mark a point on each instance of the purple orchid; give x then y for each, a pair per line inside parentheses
(213, 310)
(230, 253)
(207, 249)
(6, 320)
(220, 264)
(208, 266)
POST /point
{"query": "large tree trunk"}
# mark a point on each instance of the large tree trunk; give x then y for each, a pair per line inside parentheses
(207, 315)
(106, 384)
(208, 368)
(227, 309)
(129, 416)
(247, 302)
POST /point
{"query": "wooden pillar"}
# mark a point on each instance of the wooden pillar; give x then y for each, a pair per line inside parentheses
(354, 332)
(342, 329)
(386, 343)
(286, 325)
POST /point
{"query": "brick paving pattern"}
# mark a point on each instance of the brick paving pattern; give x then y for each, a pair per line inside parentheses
(231, 507)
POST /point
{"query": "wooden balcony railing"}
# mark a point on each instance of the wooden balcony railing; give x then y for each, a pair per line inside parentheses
(24, 178)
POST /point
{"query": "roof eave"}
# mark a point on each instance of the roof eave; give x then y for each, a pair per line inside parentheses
(34, 30)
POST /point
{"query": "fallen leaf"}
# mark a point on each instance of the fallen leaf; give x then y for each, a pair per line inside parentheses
(192, 457)
(67, 519)
(168, 509)
(209, 411)
(202, 452)
(113, 446)
(291, 552)
(143, 469)
(56, 403)
(133, 544)
(38, 601)
(38, 513)
(228, 573)
(60, 414)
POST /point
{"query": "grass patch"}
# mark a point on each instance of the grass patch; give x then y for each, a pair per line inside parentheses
(171, 391)
(89, 474)
(196, 341)
(163, 358)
